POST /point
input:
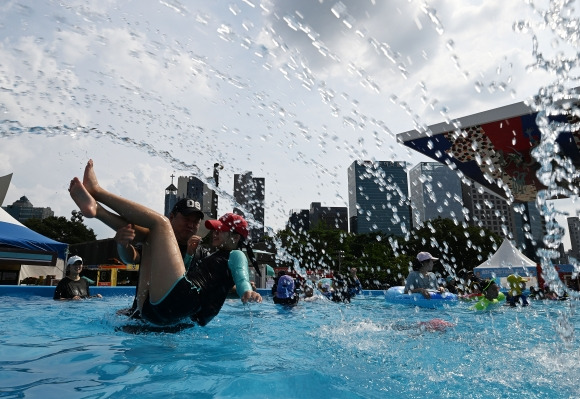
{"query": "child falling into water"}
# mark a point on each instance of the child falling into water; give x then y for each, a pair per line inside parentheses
(166, 294)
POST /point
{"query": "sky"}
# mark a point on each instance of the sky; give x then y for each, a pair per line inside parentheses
(293, 91)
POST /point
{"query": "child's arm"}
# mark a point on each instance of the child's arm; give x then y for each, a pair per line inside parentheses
(238, 264)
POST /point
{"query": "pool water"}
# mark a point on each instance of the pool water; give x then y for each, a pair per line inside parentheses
(365, 349)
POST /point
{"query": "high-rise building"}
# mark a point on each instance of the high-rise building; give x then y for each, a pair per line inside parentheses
(435, 191)
(378, 197)
(299, 220)
(489, 210)
(334, 217)
(250, 194)
(529, 228)
(574, 231)
(23, 210)
(520, 222)
(194, 188)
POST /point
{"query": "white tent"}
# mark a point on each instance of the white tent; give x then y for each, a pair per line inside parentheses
(507, 260)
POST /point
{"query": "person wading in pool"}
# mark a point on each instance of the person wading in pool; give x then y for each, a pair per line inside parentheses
(517, 284)
(73, 286)
(490, 295)
(422, 279)
(166, 295)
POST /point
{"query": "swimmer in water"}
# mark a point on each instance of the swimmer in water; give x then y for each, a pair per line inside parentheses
(491, 296)
(433, 325)
(422, 279)
(166, 294)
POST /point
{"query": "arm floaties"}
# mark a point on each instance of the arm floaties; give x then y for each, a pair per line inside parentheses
(238, 265)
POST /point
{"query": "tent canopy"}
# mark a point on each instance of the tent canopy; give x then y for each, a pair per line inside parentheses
(14, 234)
(506, 136)
(506, 260)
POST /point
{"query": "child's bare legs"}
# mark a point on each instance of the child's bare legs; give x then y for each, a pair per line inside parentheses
(84, 194)
(83, 198)
(163, 265)
(92, 209)
(116, 222)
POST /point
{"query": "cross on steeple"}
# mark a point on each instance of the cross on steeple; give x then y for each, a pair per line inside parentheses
(172, 176)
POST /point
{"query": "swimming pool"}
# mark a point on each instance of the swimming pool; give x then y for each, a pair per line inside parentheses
(366, 349)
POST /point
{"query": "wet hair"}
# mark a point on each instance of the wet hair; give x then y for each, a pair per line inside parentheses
(486, 284)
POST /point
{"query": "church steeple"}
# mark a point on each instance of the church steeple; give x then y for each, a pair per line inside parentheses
(170, 197)
(171, 187)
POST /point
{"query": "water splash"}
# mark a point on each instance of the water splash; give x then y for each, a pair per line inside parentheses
(555, 101)
(148, 104)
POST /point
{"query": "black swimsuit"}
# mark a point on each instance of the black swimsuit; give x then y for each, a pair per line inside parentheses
(68, 288)
(200, 294)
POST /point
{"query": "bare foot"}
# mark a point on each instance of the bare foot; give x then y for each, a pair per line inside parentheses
(90, 181)
(82, 198)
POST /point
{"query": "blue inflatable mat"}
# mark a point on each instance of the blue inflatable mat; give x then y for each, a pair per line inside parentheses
(438, 300)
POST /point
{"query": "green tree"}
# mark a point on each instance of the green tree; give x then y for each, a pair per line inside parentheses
(385, 260)
(61, 229)
(457, 245)
(376, 262)
(316, 249)
(326, 249)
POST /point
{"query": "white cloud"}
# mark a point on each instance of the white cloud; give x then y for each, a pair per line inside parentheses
(175, 89)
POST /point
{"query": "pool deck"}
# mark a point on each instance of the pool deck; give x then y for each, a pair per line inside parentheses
(48, 291)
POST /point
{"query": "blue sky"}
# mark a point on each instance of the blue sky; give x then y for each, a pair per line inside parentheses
(293, 91)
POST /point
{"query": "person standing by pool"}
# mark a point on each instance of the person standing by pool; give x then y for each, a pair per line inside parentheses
(166, 295)
(421, 278)
(73, 286)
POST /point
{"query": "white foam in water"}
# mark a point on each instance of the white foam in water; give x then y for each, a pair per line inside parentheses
(295, 92)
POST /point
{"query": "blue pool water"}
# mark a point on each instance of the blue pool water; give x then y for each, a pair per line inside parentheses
(366, 349)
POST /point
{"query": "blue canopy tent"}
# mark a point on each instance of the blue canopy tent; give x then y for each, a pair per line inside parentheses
(26, 253)
(14, 235)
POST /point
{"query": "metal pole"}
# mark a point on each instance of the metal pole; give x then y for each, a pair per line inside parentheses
(216, 176)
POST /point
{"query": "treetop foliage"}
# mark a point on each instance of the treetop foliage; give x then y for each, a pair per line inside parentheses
(61, 229)
(386, 260)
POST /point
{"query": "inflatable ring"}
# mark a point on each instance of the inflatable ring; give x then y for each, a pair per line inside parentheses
(438, 300)
(485, 304)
